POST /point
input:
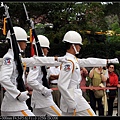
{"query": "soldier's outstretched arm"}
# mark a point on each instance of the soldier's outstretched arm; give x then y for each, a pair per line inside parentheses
(96, 62)
(43, 61)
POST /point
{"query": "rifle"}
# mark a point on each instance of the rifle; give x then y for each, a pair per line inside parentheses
(17, 54)
(38, 47)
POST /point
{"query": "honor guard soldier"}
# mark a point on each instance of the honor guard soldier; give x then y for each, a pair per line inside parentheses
(72, 102)
(41, 102)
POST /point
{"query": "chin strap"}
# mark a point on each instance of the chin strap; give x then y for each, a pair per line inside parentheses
(76, 52)
(21, 51)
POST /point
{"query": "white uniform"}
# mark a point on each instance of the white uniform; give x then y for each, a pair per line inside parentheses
(68, 84)
(41, 105)
(10, 105)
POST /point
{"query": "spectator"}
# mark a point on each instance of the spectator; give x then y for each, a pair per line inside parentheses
(53, 75)
(111, 82)
(84, 74)
(97, 75)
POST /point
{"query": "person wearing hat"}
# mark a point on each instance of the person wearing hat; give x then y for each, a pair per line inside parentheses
(72, 102)
(41, 102)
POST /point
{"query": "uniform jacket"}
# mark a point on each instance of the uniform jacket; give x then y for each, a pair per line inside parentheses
(69, 79)
(9, 74)
(34, 79)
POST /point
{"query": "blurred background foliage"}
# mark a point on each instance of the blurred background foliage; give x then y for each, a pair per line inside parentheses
(97, 22)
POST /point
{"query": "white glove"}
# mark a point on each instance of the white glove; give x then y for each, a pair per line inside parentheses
(115, 60)
(62, 59)
(23, 96)
(46, 92)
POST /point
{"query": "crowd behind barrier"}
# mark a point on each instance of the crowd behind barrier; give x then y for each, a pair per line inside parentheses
(116, 102)
(82, 88)
(87, 88)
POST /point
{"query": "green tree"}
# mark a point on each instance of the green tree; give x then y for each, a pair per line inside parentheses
(64, 16)
(112, 9)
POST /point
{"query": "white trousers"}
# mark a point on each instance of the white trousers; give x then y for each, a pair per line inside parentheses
(17, 113)
(88, 112)
(51, 111)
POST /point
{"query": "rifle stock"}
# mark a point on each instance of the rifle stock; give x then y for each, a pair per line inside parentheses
(17, 54)
(39, 50)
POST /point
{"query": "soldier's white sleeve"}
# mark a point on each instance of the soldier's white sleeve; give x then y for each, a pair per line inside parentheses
(63, 84)
(32, 79)
(92, 62)
(40, 61)
(5, 75)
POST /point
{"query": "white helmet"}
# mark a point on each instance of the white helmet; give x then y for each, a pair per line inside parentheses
(73, 37)
(20, 34)
(44, 42)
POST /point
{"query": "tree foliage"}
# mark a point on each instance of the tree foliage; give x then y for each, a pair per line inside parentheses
(64, 16)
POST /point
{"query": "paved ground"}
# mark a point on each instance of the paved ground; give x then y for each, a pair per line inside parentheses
(114, 112)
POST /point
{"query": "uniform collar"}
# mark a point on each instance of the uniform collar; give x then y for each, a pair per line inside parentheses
(10, 51)
(71, 55)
